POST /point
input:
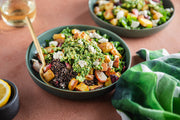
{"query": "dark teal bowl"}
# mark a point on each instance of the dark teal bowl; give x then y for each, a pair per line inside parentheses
(67, 93)
(130, 33)
(9, 111)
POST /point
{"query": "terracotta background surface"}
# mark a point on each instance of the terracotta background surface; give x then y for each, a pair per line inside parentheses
(37, 104)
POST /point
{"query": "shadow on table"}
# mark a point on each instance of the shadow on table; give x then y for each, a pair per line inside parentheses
(136, 60)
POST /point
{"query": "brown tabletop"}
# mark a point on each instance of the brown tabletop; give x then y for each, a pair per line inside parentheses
(37, 104)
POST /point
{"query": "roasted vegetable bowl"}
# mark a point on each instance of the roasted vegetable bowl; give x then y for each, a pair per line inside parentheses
(132, 18)
(81, 61)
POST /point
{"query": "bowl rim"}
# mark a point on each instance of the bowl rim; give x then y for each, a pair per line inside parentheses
(74, 26)
(122, 28)
(14, 97)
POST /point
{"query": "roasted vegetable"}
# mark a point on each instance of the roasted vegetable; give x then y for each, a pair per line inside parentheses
(108, 6)
(82, 87)
(106, 47)
(145, 22)
(72, 84)
(89, 77)
(114, 21)
(108, 14)
(108, 82)
(116, 62)
(115, 52)
(107, 59)
(48, 75)
(100, 76)
(110, 72)
(74, 31)
(94, 87)
(104, 66)
(59, 36)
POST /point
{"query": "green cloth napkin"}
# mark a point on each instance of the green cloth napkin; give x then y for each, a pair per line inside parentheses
(150, 90)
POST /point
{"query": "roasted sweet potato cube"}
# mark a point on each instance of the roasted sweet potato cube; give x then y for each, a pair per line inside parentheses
(74, 31)
(114, 52)
(93, 87)
(108, 14)
(153, 11)
(116, 62)
(145, 22)
(108, 82)
(104, 66)
(114, 21)
(157, 16)
(82, 87)
(101, 77)
(96, 10)
(107, 59)
(110, 72)
(48, 75)
(59, 36)
(89, 77)
(81, 35)
(106, 47)
(72, 84)
(76, 35)
(108, 6)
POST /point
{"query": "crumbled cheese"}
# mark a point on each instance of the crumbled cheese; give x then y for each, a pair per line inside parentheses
(116, 56)
(102, 40)
(120, 14)
(91, 35)
(152, 2)
(116, 1)
(58, 55)
(102, 2)
(80, 42)
(134, 24)
(144, 12)
(91, 49)
(82, 63)
(95, 35)
(155, 22)
(96, 63)
(110, 64)
(53, 43)
(170, 10)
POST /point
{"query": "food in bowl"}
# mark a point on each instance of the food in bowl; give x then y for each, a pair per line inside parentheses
(81, 60)
(133, 14)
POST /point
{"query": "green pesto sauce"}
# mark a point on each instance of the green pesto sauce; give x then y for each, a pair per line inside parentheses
(74, 52)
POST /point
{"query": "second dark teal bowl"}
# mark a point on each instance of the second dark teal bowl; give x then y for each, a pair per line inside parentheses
(67, 93)
(126, 32)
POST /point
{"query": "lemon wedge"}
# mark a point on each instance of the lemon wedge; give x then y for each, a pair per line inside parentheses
(5, 92)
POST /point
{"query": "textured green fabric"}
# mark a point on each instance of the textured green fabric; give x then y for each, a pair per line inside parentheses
(151, 89)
